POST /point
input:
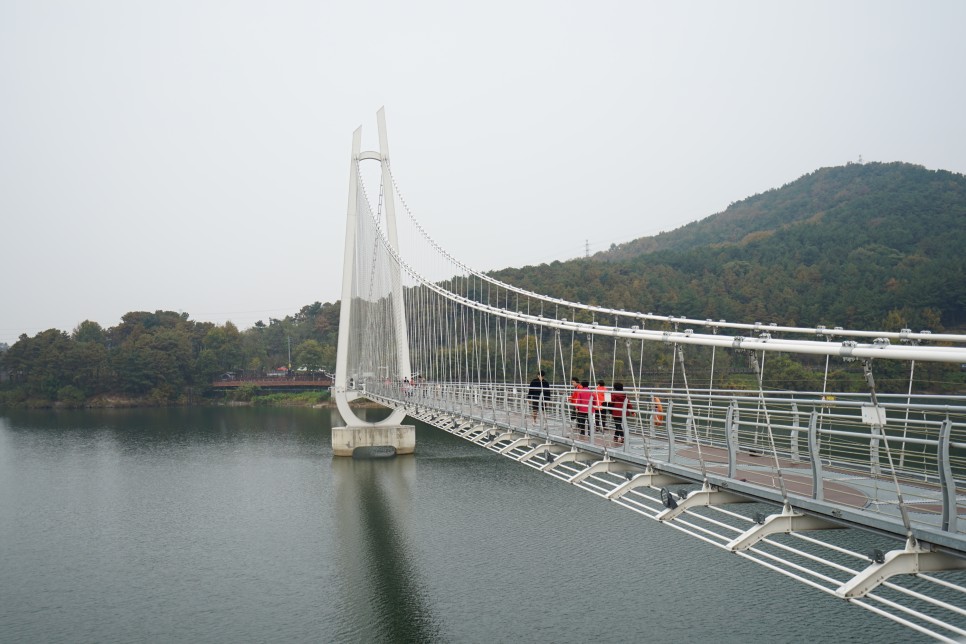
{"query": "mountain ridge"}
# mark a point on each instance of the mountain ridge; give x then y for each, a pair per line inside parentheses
(809, 196)
(874, 244)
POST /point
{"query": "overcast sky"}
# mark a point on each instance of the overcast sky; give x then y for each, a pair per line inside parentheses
(194, 155)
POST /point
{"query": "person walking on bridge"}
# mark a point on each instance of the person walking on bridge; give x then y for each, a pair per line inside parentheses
(601, 398)
(617, 398)
(572, 400)
(538, 394)
(583, 404)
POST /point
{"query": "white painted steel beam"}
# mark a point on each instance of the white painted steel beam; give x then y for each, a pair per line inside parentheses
(573, 456)
(647, 478)
(526, 440)
(553, 448)
(483, 436)
(468, 428)
(909, 561)
(785, 522)
(503, 437)
(606, 465)
(707, 495)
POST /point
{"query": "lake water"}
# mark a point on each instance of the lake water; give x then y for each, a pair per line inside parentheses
(237, 525)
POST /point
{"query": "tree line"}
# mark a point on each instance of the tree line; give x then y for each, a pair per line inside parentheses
(160, 357)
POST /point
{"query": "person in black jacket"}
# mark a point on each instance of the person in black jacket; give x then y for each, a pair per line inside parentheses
(538, 394)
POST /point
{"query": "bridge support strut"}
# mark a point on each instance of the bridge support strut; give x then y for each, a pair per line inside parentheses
(524, 441)
(573, 455)
(647, 478)
(787, 521)
(913, 559)
(606, 465)
(552, 449)
(707, 495)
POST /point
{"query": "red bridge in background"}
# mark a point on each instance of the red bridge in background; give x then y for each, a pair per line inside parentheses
(274, 383)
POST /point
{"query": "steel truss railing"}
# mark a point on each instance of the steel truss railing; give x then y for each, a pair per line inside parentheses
(707, 454)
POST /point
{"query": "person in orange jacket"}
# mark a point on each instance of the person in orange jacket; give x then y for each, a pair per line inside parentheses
(600, 397)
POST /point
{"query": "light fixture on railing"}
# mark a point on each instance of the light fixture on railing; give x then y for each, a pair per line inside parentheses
(668, 499)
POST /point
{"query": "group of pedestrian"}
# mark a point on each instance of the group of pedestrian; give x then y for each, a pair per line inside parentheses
(606, 407)
(409, 386)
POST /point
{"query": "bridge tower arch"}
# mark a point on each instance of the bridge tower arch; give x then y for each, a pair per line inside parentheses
(387, 433)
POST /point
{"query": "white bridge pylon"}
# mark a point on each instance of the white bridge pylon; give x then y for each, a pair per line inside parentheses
(390, 432)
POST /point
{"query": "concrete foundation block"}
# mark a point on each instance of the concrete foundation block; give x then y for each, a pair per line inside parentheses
(345, 440)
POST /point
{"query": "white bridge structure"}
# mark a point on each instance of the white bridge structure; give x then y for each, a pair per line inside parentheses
(860, 494)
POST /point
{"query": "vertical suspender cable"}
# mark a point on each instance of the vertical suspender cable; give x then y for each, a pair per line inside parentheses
(760, 369)
(905, 425)
(904, 513)
(613, 364)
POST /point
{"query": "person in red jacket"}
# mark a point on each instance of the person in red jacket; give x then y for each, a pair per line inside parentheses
(617, 398)
(583, 404)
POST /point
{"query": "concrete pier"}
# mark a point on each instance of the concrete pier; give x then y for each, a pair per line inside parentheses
(345, 440)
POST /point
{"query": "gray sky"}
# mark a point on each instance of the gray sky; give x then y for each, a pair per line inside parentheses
(194, 155)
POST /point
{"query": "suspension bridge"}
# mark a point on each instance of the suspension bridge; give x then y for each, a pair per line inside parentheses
(857, 494)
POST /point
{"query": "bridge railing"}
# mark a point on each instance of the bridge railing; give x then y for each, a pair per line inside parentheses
(839, 452)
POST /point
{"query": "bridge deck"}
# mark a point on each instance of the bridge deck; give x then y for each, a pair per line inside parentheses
(821, 555)
(860, 493)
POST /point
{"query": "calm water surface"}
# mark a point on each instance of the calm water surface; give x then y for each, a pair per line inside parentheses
(237, 525)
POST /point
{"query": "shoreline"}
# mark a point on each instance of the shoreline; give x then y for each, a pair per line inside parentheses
(126, 402)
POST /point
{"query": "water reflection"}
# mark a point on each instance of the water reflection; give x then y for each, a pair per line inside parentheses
(381, 591)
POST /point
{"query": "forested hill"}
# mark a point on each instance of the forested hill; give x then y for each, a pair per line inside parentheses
(875, 244)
